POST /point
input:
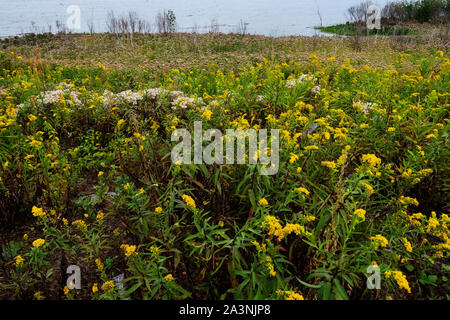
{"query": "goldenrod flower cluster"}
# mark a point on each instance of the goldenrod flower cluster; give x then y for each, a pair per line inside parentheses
(274, 228)
(99, 264)
(108, 286)
(400, 278)
(379, 240)
(129, 250)
(289, 295)
(371, 159)
(361, 214)
(19, 260)
(38, 243)
(38, 212)
(168, 277)
(188, 200)
(267, 261)
(80, 224)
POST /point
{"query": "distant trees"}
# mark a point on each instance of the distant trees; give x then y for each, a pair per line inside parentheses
(130, 23)
(421, 11)
(404, 11)
(166, 22)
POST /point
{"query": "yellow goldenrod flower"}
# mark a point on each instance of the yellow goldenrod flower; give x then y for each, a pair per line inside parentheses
(293, 158)
(66, 290)
(80, 224)
(408, 200)
(368, 187)
(38, 243)
(267, 261)
(168, 277)
(100, 215)
(37, 295)
(274, 228)
(379, 240)
(99, 264)
(19, 260)
(290, 295)
(302, 190)
(400, 278)
(108, 286)
(38, 212)
(361, 214)
(207, 114)
(407, 244)
(120, 122)
(263, 202)
(312, 147)
(188, 200)
(95, 288)
(371, 159)
(129, 250)
(329, 164)
(35, 143)
(154, 249)
(158, 209)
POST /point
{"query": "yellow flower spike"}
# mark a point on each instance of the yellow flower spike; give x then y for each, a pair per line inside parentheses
(100, 215)
(37, 295)
(407, 244)
(371, 159)
(289, 295)
(168, 277)
(19, 261)
(66, 290)
(188, 201)
(38, 243)
(38, 212)
(361, 214)
(80, 224)
(99, 264)
(108, 286)
(379, 240)
(400, 278)
(329, 164)
(302, 190)
(129, 250)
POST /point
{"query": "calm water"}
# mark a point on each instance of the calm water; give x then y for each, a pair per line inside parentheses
(268, 17)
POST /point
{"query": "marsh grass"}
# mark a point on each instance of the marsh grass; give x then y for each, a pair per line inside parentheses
(184, 50)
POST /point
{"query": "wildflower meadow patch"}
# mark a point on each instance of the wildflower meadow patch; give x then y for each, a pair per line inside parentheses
(321, 179)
